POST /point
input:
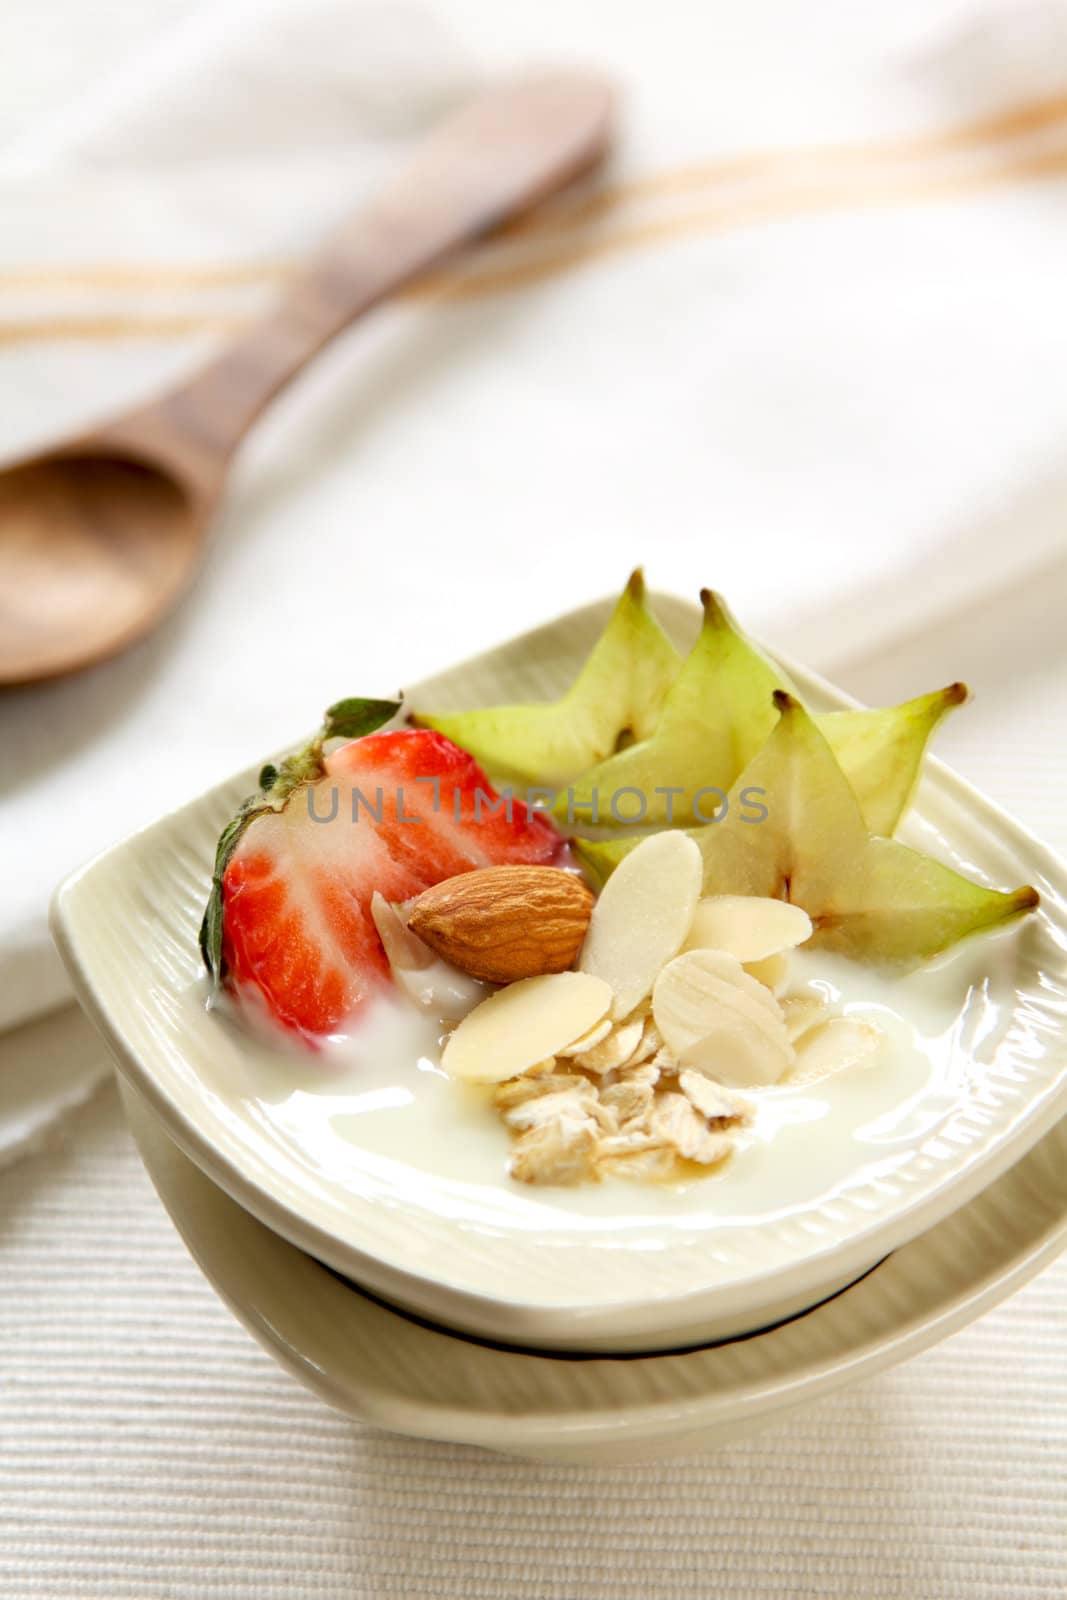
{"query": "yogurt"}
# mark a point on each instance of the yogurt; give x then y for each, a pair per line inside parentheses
(377, 1098)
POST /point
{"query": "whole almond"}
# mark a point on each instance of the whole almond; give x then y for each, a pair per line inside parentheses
(505, 923)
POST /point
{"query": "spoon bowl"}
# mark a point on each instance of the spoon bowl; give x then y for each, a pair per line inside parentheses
(93, 549)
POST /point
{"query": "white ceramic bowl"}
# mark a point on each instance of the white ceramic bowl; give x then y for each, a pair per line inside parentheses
(382, 1367)
(620, 1268)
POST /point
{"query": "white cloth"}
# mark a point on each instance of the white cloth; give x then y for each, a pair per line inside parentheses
(811, 403)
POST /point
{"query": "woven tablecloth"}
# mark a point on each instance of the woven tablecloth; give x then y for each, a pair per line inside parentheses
(148, 1448)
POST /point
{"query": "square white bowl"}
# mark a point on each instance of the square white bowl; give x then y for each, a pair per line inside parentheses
(545, 1268)
(382, 1367)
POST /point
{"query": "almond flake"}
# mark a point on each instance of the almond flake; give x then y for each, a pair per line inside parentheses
(542, 1069)
(642, 916)
(591, 1037)
(838, 1042)
(404, 950)
(717, 1018)
(749, 927)
(772, 971)
(640, 1010)
(735, 1052)
(801, 1012)
(647, 1046)
(522, 1024)
(433, 984)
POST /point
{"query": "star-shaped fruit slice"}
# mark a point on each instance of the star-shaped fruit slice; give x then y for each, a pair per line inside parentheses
(868, 897)
(618, 693)
(717, 714)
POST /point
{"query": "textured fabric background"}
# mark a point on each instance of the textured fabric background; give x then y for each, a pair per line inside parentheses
(150, 1451)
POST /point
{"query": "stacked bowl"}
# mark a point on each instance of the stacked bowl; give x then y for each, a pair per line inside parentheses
(426, 1300)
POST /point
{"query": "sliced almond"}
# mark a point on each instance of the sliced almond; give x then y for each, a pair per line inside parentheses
(640, 1010)
(722, 977)
(590, 1038)
(647, 1046)
(716, 1018)
(801, 1012)
(750, 927)
(519, 1026)
(434, 985)
(675, 1122)
(612, 1051)
(542, 1069)
(711, 1099)
(838, 1042)
(405, 951)
(772, 971)
(642, 917)
(559, 1152)
(738, 1053)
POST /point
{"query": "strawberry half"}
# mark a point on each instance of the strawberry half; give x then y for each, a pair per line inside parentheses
(395, 812)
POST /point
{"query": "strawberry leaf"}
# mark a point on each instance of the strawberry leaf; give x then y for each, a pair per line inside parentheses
(351, 719)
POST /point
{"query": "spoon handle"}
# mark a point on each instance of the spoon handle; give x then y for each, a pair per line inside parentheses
(497, 155)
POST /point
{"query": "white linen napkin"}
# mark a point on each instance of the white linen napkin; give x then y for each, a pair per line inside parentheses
(804, 342)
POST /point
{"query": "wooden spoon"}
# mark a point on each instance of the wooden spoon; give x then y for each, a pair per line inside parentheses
(99, 536)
